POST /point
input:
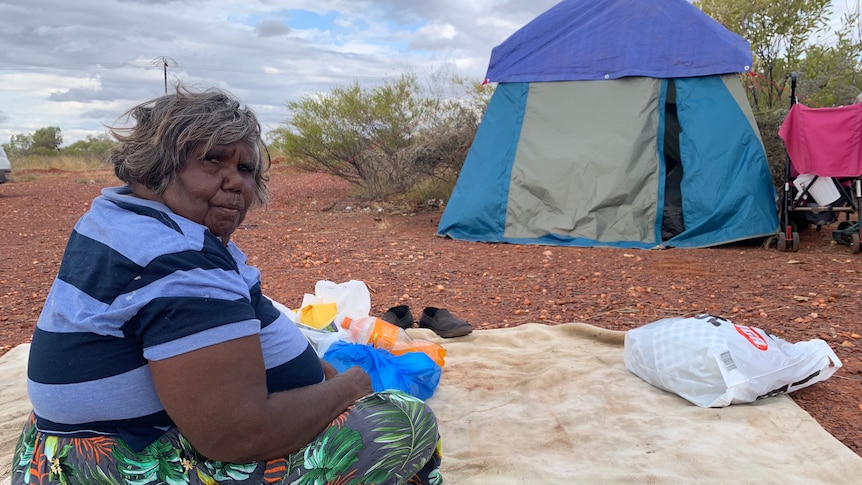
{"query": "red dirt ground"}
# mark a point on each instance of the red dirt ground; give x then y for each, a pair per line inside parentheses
(307, 234)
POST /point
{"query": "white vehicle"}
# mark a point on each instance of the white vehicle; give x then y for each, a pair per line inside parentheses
(5, 167)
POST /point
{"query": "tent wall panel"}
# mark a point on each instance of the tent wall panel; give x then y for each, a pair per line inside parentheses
(592, 176)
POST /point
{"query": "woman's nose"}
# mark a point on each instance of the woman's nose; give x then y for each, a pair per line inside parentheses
(232, 180)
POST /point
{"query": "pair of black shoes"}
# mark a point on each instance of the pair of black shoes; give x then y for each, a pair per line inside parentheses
(437, 319)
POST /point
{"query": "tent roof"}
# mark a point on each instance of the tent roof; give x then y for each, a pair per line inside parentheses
(610, 39)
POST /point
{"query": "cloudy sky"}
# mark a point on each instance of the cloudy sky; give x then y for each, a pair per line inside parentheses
(80, 64)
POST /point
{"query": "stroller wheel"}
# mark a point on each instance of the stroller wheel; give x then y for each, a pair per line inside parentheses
(854, 245)
(783, 242)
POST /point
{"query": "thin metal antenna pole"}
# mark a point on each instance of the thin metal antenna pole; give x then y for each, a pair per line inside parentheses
(165, 61)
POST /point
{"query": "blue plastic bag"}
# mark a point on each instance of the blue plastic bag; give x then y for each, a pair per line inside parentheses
(413, 372)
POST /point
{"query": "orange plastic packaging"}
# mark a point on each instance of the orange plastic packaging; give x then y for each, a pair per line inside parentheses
(384, 335)
(436, 352)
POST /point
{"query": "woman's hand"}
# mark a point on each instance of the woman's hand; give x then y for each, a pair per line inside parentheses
(360, 378)
(356, 374)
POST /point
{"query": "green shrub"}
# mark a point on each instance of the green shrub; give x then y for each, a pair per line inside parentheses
(393, 141)
(776, 154)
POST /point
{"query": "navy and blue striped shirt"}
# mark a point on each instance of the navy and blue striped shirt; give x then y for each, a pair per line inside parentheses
(139, 283)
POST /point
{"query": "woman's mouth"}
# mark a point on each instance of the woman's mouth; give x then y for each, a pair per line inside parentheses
(229, 208)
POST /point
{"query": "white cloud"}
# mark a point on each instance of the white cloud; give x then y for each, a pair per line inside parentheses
(439, 31)
(79, 65)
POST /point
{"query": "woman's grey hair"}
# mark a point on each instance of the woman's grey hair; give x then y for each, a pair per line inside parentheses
(169, 128)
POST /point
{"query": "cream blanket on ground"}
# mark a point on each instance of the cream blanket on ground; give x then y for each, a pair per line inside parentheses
(538, 404)
(14, 404)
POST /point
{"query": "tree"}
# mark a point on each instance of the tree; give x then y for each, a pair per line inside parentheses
(19, 145)
(48, 138)
(45, 141)
(830, 74)
(779, 34)
(91, 146)
(386, 140)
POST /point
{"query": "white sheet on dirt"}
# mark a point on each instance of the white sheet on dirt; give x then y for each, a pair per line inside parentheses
(14, 404)
(556, 405)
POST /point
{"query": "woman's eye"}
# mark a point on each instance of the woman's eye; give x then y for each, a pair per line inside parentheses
(212, 164)
(246, 167)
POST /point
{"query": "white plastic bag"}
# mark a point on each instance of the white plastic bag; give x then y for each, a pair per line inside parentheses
(713, 362)
(320, 340)
(352, 298)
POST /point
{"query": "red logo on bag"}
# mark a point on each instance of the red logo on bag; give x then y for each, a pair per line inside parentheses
(752, 336)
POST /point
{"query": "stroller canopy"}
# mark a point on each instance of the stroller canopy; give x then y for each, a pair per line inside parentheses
(824, 141)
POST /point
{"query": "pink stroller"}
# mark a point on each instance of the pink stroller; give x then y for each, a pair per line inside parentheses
(823, 172)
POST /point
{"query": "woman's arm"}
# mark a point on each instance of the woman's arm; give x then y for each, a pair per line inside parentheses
(217, 396)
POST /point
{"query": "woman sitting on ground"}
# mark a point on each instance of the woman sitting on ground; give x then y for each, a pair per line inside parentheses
(157, 359)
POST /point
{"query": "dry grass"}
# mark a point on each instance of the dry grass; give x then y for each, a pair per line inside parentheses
(28, 169)
(66, 163)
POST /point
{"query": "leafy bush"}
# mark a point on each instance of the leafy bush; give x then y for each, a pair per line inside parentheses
(96, 147)
(389, 141)
(776, 155)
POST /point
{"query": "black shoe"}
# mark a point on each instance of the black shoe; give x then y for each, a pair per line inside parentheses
(399, 315)
(443, 323)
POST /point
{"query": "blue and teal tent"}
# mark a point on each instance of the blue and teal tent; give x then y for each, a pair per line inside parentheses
(616, 123)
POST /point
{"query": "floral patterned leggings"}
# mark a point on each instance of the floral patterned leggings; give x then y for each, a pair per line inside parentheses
(388, 437)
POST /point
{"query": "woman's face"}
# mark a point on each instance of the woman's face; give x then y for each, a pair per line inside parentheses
(215, 188)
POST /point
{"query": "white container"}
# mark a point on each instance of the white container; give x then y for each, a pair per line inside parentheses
(822, 190)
